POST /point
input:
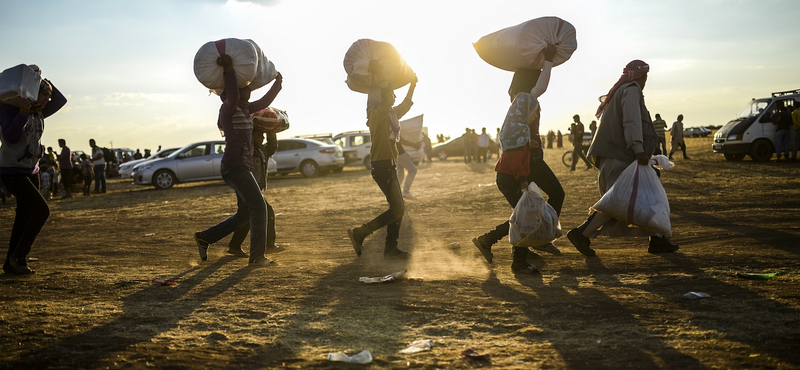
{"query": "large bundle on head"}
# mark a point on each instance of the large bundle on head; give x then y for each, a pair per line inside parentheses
(522, 46)
(18, 83)
(357, 59)
(270, 120)
(251, 66)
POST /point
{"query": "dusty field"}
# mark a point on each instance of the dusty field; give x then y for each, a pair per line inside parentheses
(91, 304)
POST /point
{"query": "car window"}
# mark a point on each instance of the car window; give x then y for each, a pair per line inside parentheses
(197, 151)
(340, 142)
(356, 140)
(219, 148)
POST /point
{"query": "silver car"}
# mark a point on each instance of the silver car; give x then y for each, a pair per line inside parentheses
(309, 157)
(126, 169)
(194, 162)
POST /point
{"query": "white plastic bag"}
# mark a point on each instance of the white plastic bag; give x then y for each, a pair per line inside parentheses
(411, 131)
(521, 46)
(356, 64)
(245, 63)
(17, 83)
(638, 198)
(533, 222)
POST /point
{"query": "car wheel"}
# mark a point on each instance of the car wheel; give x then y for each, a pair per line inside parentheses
(442, 155)
(163, 179)
(309, 169)
(761, 150)
(734, 157)
(367, 163)
(338, 169)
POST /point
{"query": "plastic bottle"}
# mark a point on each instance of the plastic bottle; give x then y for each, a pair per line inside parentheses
(363, 357)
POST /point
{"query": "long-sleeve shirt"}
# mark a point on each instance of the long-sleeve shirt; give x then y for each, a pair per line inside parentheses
(380, 121)
(65, 158)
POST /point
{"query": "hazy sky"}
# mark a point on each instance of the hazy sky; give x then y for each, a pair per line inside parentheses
(126, 66)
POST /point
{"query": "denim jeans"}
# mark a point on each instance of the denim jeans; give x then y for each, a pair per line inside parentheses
(99, 177)
(385, 175)
(251, 209)
(542, 176)
(31, 213)
(782, 143)
(238, 236)
(405, 163)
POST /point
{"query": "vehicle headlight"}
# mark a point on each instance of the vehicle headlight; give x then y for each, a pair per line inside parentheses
(142, 168)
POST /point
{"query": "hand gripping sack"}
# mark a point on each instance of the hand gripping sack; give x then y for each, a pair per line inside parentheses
(521, 46)
(638, 198)
(356, 63)
(17, 83)
(245, 62)
(270, 120)
(533, 222)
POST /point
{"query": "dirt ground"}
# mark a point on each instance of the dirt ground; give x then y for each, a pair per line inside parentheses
(91, 304)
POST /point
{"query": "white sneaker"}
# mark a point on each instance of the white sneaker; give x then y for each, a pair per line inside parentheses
(409, 196)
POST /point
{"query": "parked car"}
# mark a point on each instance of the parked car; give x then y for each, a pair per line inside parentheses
(126, 169)
(193, 162)
(455, 148)
(696, 132)
(309, 157)
(355, 147)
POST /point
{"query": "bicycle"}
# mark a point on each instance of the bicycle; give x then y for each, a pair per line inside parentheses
(566, 159)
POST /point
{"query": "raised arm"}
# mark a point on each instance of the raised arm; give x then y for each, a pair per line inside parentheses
(269, 97)
(544, 77)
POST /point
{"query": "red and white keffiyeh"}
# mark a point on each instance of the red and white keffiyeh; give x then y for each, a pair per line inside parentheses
(633, 71)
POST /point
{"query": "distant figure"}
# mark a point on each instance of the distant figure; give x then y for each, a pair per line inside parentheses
(677, 137)
(782, 118)
(99, 164)
(661, 130)
(147, 153)
(87, 171)
(551, 136)
(593, 128)
(466, 138)
(795, 132)
(428, 148)
(137, 155)
(44, 179)
(559, 140)
(577, 142)
(65, 166)
(497, 142)
(126, 158)
(483, 145)
(406, 164)
(51, 158)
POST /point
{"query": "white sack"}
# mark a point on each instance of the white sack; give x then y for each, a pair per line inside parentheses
(521, 46)
(411, 131)
(18, 83)
(534, 222)
(638, 198)
(356, 65)
(245, 63)
(265, 72)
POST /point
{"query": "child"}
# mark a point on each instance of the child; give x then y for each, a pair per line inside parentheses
(44, 178)
(87, 170)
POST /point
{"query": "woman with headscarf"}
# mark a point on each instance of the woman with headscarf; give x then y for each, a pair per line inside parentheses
(625, 135)
(20, 151)
(522, 159)
(384, 129)
(237, 166)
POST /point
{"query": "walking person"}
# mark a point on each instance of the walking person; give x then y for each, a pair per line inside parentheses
(384, 128)
(677, 137)
(87, 171)
(20, 149)
(577, 142)
(65, 166)
(406, 164)
(466, 144)
(522, 159)
(99, 167)
(237, 165)
(661, 130)
(483, 145)
(625, 135)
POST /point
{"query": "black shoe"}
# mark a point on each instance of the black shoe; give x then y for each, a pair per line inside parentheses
(581, 243)
(261, 262)
(202, 246)
(685, 157)
(524, 268)
(395, 253)
(357, 240)
(485, 247)
(236, 252)
(19, 266)
(660, 244)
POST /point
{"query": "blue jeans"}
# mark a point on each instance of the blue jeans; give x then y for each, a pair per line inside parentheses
(385, 175)
(252, 209)
(782, 143)
(100, 178)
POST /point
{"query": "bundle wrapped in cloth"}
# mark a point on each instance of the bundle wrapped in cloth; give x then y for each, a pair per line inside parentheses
(18, 83)
(251, 66)
(270, 119)
(522, 46)
(357, 60)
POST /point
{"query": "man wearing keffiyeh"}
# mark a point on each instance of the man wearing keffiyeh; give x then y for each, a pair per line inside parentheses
(625, 134)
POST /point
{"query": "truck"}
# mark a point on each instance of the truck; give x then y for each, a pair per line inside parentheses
(752, 131)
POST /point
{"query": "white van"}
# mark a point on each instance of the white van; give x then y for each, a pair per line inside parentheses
(752, 131)
(356, 147)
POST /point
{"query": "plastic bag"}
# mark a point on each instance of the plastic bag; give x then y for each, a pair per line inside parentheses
(245, 63)
(18, 83)
(356, 63)
(521, 46)
(533, 222)
(270, 119)
(638, 198)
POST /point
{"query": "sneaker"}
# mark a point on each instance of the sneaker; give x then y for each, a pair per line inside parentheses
(19, 267)
(202, 246)
(409, 196)
(356, 240)
(485, 248)
(549, 248)
(237, 252)
(660, 244)
(395, 253)
(274, 249)
(524, 268)
(261, 262)
(581, 242)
